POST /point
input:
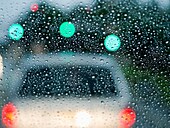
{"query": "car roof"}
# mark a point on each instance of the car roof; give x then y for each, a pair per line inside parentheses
(72, 58)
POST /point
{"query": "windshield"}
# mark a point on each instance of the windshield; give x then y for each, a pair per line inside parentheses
(42, 34)
(77, 81)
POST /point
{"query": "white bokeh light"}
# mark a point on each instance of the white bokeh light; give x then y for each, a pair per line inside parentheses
(83, 119)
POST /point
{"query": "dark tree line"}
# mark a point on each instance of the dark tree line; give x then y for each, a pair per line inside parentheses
(144, 31)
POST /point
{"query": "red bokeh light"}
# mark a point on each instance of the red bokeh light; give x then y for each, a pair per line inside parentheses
(34, 7)
(9, 115)
(127, 118)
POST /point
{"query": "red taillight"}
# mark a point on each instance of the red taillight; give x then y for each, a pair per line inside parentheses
(127, 118)
(9, 115)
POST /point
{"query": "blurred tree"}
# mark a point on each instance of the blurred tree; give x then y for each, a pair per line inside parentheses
(144, 31)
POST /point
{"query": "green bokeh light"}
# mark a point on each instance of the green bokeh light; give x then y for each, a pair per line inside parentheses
(15, 31)
(67, 29)
(112, 42)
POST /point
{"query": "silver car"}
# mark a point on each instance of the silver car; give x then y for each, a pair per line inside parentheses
(66, 90)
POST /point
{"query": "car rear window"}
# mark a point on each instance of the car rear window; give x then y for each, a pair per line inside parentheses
(76, 81)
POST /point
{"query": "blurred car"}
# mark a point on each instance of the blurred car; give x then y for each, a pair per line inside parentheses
(64, 90)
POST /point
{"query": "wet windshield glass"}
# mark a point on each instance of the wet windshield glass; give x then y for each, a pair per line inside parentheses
(130, 36)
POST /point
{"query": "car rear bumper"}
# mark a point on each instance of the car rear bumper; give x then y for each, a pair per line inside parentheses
(67, 113)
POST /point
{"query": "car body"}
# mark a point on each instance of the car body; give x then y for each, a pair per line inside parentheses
(77, 90)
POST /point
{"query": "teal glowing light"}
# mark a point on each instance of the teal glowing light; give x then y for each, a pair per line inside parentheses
(112, 43)
(15, 31)
(67, 29)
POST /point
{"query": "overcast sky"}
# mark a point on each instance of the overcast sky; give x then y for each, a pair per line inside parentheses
(11, 9)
